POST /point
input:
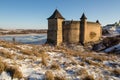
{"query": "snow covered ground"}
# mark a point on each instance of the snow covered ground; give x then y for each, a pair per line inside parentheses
(112, 30)
(33, 61)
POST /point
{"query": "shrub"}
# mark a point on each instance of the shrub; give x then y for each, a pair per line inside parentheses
(49, 75)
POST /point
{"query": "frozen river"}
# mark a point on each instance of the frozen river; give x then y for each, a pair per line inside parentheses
(26, 38)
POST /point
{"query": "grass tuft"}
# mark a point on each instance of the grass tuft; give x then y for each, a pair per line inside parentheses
(2, 66)
(82, 72)
(14, 72)
(59, 78)
(49, 75)
(55, 66)
(6, 54)
(116, 72)
(88, 77)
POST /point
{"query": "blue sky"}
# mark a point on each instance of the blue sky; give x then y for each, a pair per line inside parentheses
(33, 14)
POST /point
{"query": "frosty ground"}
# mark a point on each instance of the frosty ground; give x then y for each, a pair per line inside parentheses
(45, 62)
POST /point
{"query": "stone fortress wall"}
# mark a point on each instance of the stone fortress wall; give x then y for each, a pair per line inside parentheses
(63, 31)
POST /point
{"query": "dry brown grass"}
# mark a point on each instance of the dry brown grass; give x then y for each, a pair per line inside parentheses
(73, 62)
(6, 54)
(7, 44)
(44, 57)
(33, 52)
(2, 66)
(112, 56)
(84, 74)
(90, 62)
(66, 51)
(115, 72)
(43, 53)
(82, 63)
(100, 58)
(36, 51)
(44, 61)
(94, 57)
(14, 72)
(26, 52)
(82, 71)
(84, 55)
(59, 78)
(88, 77)
(20, 57)
(49, 75)
(55, 66)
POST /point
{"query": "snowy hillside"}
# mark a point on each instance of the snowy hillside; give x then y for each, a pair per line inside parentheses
(40, 62)
(113, 29)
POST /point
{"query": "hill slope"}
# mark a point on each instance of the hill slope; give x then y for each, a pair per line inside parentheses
(39, 62)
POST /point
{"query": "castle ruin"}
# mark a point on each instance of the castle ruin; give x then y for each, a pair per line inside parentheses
(69, 31)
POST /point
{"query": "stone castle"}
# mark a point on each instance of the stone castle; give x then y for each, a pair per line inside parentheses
(69, 31)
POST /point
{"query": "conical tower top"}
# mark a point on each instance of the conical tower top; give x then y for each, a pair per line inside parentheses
(83, 16)
(56, 15)
(97, 21)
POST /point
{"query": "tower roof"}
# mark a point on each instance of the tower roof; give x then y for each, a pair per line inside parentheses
(97, 21)
(56, 15)
(83, 16)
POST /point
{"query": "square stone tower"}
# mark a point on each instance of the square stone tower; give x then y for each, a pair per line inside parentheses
(54, 34)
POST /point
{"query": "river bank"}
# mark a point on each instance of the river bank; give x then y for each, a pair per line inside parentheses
(25, 38)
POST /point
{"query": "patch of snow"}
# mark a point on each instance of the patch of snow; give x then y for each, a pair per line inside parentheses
(5, 76)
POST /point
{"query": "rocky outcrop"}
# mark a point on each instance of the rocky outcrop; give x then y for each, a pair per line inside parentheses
(107, 43)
